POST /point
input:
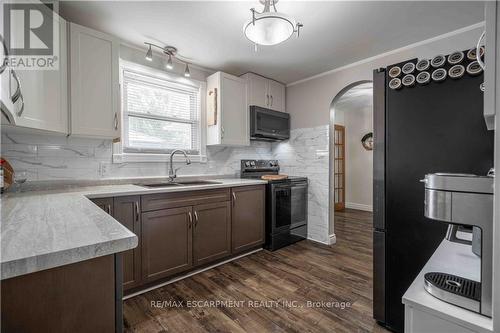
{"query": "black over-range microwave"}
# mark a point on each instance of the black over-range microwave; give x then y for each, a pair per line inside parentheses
(268, 125)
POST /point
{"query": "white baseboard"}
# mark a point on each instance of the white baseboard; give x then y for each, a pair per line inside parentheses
(332, 239)
(353, 205)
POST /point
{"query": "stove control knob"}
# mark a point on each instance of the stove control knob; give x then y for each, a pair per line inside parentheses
(247, 164)
(252, 163)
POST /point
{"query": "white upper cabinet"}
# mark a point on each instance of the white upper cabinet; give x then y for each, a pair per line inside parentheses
(95, 100)
(276, 96)
(264, 92)
(43, 104)
(227, 113)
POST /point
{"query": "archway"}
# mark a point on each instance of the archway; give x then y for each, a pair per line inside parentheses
(347, 92)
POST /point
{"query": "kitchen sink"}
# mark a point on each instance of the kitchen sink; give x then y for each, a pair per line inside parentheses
(180, 183)
(196, 182)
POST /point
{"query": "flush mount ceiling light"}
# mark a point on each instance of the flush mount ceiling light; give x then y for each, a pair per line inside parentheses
(270, 27)
(170, 52)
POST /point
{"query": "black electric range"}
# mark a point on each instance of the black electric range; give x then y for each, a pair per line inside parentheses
(286, 203)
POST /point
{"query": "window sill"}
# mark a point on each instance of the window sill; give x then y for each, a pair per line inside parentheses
(152, 158)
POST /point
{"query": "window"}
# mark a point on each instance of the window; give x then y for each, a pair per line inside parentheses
(160, 113)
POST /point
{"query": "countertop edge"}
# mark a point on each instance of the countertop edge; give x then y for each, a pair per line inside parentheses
(417, 297)
(43, 261)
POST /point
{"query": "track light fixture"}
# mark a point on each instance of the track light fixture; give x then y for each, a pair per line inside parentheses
(149, 54)
(169, 62)
(170, 52)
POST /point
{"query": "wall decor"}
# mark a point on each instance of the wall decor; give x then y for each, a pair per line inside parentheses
(367, 141)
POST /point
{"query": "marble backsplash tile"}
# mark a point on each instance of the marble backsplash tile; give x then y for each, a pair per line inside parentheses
(58, 158)
(67, 158)
(306, 154)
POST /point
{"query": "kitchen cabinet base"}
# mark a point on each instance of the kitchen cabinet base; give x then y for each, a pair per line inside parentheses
(199, 269)
(80, 297)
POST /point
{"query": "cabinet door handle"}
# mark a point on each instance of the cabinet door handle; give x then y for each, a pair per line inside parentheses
(271, 100)
(21, 110)
(108, 209)
(136, 205)
(267, 99)
(195, 218)
(222, 132)
(190, 220)
(116, 120)
(234, 198)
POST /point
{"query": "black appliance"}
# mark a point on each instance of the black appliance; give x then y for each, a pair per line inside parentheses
(418, 129)
(286, 203)
(268, 125)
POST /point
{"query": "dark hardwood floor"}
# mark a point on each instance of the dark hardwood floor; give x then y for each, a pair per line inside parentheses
(269, 291)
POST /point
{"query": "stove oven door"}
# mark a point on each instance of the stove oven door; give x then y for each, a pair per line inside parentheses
(289, 202)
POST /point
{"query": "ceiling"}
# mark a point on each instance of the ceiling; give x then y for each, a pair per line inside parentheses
(356, 98)
(335, 33)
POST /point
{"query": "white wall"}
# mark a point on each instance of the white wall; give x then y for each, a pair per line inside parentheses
(358, 121)
(309, 101)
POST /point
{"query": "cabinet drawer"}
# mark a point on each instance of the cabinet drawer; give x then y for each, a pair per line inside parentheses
(182, 199)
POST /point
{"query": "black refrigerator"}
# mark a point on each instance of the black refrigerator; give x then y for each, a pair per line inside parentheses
(418, 129)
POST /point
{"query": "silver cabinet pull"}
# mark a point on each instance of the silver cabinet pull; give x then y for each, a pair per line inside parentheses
(108, 209)
(136, 205)
(116, 120)
(478, 50)
(234, 198)
(272, 100)
(14, 97)
(21, 110)
(267, 99)
(190, 220)
(222, 132)
(195, 218)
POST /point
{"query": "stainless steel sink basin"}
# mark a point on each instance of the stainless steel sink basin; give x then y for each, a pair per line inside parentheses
(196, 182)
(179, 183)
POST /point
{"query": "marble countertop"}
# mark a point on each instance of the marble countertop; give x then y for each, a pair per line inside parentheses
(456, 259)
(46, 229)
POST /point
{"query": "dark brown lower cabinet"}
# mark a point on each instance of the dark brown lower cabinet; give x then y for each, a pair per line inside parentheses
(106, 204)
(166, 242)
(211, 232)
(78, 297)
(127, 211)
(248, 217)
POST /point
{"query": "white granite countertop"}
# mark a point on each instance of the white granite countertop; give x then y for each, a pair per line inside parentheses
(46, 229)
(456, 259)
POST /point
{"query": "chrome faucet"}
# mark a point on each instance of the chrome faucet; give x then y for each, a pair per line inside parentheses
(172, 173)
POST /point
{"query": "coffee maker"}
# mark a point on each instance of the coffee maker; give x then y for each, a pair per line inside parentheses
(463, 200)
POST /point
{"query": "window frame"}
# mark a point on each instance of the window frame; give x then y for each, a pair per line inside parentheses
(123, 155)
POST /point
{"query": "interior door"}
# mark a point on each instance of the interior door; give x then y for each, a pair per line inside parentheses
(339, 181)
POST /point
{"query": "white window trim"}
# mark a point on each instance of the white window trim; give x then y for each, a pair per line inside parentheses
(121, 157)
